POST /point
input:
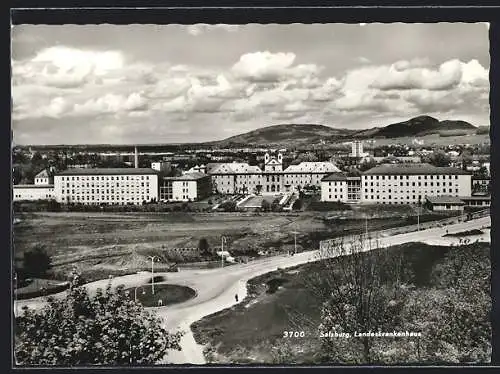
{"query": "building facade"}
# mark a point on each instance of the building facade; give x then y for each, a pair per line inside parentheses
(114, 186)
(188, 187)
(444, 203)
(357, 149)
(334, 187)
(234, 178)
(404, 184)
(44, 178)
(33, 192)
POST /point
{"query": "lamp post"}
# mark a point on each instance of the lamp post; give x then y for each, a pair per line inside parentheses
(153, 273)
(135, 293)
(223, 240)
(294, 241)
(15, 296)
(418, 218)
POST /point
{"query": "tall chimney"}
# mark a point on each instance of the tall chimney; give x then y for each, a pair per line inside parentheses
(136, 158)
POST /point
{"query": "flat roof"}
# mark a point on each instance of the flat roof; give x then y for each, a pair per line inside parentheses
(33, 186)
(476, 197)
(413, 169)
(445, 200)
(108, 171)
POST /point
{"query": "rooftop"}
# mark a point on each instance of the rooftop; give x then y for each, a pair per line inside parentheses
(334, 177)
(312, 167)
(445, 200)
(43, 174)
(476, 197)
(191, 176)
(413, 169)
(108, 171)
(234, 168)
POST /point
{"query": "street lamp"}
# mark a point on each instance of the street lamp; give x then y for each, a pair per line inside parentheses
(153, 273)
(223, 240)
(418, 214)
(135, 292)
(295, 242)
(15, 296)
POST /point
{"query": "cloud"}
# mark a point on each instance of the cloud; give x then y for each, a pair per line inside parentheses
(363, 60)
(201, 28)
(68, 86)
(400, 76)
(272, 67)
(65, 67)
(111, 103)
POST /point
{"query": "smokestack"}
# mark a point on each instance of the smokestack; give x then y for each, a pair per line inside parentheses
(136, 158)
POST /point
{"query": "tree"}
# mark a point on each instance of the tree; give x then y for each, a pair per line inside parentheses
(109, 328)
(367, 165)
(440, 159)
(203, 246)
(36, 262)
(275, 205)
(228, 206)
(297, 204)
(265, 205)
(258, 188)
(361, 292)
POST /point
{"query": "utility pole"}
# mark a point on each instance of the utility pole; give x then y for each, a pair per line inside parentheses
(295, 242)
(223, 240)
(152, 274)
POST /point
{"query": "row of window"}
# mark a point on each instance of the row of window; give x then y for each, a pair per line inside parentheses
(20, 196)
(136, 184)
(402, 192)
(107, 191)
(142, 177)
(107, 198)
(395, 177)
(401, 184)
(414, 197)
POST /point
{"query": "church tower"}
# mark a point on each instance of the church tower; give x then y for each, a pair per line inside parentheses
(273, 163)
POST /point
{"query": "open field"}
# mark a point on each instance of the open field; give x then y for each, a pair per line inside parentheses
(252, 331)
(103, 244)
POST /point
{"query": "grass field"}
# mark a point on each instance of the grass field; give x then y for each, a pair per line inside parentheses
(103, 244)
(252, 331)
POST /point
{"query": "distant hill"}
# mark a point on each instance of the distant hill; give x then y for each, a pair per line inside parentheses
(286, 134)
(294, 134)
(418, 126)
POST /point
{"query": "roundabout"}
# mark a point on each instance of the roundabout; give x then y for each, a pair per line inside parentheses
(159, 295)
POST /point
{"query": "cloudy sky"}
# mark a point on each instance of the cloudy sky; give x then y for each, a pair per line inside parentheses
(172, 83)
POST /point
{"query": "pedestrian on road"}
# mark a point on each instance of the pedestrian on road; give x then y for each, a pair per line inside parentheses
(236, 297)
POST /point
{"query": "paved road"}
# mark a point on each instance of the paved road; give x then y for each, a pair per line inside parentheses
(216, 287)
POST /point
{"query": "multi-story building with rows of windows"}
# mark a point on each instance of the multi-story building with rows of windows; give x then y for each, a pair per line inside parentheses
(398, 184)
(187, 187)
(117, 186)
(232, 178)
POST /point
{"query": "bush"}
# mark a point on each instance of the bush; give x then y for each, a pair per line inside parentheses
(297, 204)
(36, 262)
(265, 205)
(228, 206)
(83, 330)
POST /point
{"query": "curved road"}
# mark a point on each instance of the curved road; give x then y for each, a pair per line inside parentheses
(216, 287)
